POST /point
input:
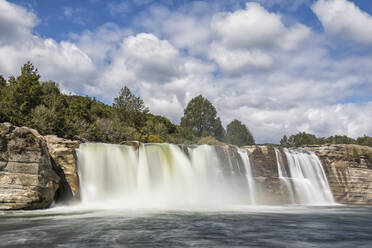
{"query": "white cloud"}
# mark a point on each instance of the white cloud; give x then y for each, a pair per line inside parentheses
(237, 61)
(62, 61)
(15, 23)
(278, 79)
(194, 34)
(256, 27)
(342, 18)
(249, 39)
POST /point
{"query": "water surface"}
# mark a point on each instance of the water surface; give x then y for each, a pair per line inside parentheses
(259, 226)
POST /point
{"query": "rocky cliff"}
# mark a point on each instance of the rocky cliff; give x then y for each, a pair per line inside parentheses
(349, 170)
(27, 177)
(36, 170)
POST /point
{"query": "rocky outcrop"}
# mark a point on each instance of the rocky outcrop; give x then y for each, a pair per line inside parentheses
(27, 177)
(63, 153)
(349, 170)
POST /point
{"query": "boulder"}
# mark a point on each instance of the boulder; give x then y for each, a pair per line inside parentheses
(27, 177)
(134, 143)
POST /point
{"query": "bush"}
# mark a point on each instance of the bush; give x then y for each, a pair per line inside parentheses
(154, 138)
(43, 119)
(209, 140)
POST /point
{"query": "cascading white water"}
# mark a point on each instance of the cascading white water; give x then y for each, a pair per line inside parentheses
(166, 175)
(308, 177)
(283, 177)
(162, 175)
(248, 173)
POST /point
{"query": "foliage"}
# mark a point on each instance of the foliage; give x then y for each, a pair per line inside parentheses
(2, 82)
(356, 157)
(303, 138)
(238, 134)
(300, 139)
(200, 117)
(154, 138)
(284, 141)
(209, 140)
(44, 119)
(130, 109)
(365, 141)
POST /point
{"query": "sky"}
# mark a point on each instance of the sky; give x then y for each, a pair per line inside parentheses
(279, 66)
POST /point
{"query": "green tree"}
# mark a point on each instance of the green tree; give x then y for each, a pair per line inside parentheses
(2, 82)
(131, 109)
(44, 120)
(284, 141)
(301, 139)
(364, 141)
(238, 134)
(27, 91)
(200, 116)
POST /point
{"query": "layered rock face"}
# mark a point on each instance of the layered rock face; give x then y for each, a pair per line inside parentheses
(349, 169)
(63, 153)
(265, 172)
(27, 177)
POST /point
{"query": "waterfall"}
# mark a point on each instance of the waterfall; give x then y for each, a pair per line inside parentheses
(308, 177)
(283, 177)
(163, 175)
(248, 174)
(167, 175)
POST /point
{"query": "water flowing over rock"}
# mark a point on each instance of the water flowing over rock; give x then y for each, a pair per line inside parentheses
(27, 178)
(162, 175)
(306, 177)
(36, 170)
(349, 171)
(166, 175)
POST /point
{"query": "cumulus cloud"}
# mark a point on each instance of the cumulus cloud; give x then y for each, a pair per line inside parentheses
(246, 39)
(15, 23)
(272, 124)
(277, 78)
(61, 61)
(344, 19)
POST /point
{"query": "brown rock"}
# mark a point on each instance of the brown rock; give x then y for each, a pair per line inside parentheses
(64, 155)
(134, 143)
(349, 171)
(27, 178)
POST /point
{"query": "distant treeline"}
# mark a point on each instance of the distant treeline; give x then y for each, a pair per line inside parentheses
(25, 101)
(302, 139)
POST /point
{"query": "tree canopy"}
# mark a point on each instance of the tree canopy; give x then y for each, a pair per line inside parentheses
(238, 134)
(200, 117)
(27, 101)
(303, 139)
(130, 108)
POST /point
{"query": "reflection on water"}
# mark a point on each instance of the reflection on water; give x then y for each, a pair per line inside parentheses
(297, 226)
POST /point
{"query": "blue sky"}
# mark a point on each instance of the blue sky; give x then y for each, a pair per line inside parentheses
(279, 66)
